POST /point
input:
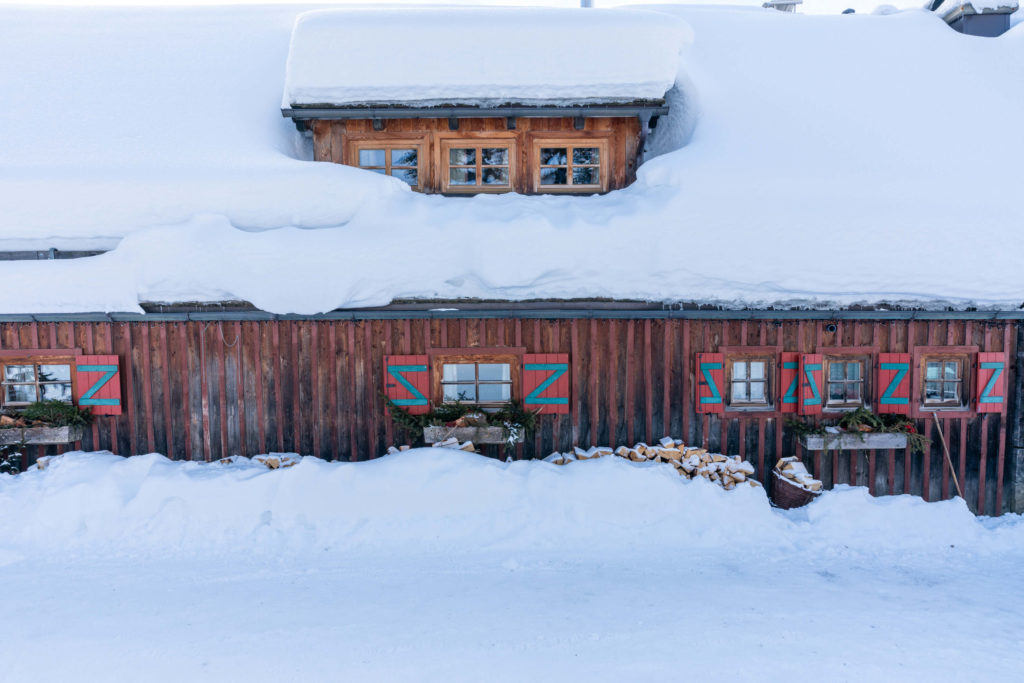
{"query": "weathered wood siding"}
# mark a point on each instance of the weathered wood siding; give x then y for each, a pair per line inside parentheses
(204, 390)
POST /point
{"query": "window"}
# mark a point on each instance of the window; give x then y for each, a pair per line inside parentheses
(483, 383)
(844, 379)
(486, 166)
(25, 382)
(749, 384)
(570, 166)
(943, 381)
(398, 160)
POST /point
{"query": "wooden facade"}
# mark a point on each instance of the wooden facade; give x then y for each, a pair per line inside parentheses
(205, 389)
(618, 138)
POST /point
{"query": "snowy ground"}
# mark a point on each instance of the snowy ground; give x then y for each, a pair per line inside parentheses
(436, 565)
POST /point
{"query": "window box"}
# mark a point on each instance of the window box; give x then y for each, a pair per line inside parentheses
(854, 441)
(40, 436)
(478, 435)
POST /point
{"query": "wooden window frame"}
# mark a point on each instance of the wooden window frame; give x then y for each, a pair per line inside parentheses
(967, 355)
(770, 354)
(866, 378)
(37, 357)
(604, 167)
(467, 142)
(441, 357)
(387, 144)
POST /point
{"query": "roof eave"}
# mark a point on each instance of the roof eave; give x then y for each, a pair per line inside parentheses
(309, 113)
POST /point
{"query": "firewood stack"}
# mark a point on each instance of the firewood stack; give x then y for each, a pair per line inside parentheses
(793, 471)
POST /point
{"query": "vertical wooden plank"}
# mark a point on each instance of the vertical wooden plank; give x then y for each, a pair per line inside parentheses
(88, 331)
(684, 389)
(108, 336)
(743, 437)
(220, 358)
(648, 384)
(577, 379)
(184, 374)
(165, 380)
(592, 393)
(129, 358)
(612, 350)
(962, 460)
(666, 373)
(761, 426)
(240, 388)
(630, 408)
(982, 464)
(871, 472)
(945, 463)
(1008, 342)
(315, 376)
(205, 389)
(537, 433)
(259, 379)
(332, 388)
(147, 388)
(369, 364)
(517, 340)
(294, 358)
(350, 413)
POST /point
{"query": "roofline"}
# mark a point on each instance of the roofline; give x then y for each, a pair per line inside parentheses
(466, 112)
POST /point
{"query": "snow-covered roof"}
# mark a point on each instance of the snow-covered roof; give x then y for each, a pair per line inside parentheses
(951, 9)
(424, 57)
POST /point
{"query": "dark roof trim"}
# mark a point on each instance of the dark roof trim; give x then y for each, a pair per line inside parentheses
(586, 111)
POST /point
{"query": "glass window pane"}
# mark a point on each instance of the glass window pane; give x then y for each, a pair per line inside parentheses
(933, 391)
(739, 370)
(371, 157)
(495, 176)
(20, 393)
(60, 391)
(757, 369)
(588, 175)
(836, 370)
(554, 156)
(495, 393)
(462, 157)
(403, 157)
(949, 392)
(853, 370)
(853, 392)
(495, 372)
(932, 370)
(553, 176)
(462, 176)
(585, 155)
(458, 372)
(757, 391)
(54, 373)
(835, 392)
(19, 373)
(459, 392)
(952, 370)
(494, 156)
(739, 391)
(409, 175)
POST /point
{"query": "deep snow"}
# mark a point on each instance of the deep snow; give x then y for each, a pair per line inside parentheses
(441, 565)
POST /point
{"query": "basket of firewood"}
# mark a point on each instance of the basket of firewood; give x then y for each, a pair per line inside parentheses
(793, 485)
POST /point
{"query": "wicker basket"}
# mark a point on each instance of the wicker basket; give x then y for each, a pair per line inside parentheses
(787, 495)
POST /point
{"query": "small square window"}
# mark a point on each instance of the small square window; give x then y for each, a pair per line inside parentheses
(476, 167)
(399, 160)
(26, 382)
(943, 381)
(845, 381)
(485, 382)
(749, 382)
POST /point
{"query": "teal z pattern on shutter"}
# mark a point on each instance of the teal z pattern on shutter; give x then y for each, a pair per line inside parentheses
(87, 398)
(790, 396)
(556, 370)
(809, 370)
(417, 399)
(986, 394)
(716, 395)
(901, 371)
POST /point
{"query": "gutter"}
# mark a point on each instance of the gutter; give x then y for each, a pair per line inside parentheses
(463, 112)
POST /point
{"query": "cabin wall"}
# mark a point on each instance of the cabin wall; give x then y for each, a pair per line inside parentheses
(203, 390)
(332, 141)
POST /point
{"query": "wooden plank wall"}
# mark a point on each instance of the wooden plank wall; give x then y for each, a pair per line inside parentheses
(204, 390)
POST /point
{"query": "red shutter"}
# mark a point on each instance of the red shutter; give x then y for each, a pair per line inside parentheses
(407, 382)
(546, 383)
(789, 382)
(98, 384)
(811, 386)
(892, 387)
(991, 384)
(710, 383)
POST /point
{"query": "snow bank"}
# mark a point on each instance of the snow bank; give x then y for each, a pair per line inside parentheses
(439, 499)
(423, 57)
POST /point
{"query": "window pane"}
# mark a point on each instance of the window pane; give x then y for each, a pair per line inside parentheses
(462, 157)
(739, 391)
(60, 391)
(495, 393)
(403, 157)
(757, 391)
(458, 372)
(20, 393)
(462, 176)
(494, 156)
(853, 392)
(54, 373)
(409, 175)
(585, 176)
(553, 176)
(932, 370)
(853, 370)
(952, 370)
(933, 391)
(739, 370)
(757, 369)
(949, 392)
(836, 393)
(585, 155)
(459, 392)
(371, 157)
(836, 371)
(554, 156)
(495, 372)
(19, 373)
(495, 176)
